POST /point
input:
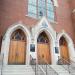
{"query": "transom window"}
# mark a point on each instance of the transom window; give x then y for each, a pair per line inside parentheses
(39, 8)
(18, 35)
(43, 38)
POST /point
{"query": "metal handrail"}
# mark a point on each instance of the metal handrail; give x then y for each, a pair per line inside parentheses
(72, 62)
(63, 61)
(41, 67)
(37, 66)
(51, 67)
(69, 62)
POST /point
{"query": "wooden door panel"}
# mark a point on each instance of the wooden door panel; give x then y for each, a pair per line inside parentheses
(12, 52)
(17, 53)
(64, 52)
(48, 55)
(43, 53)
(21, 52)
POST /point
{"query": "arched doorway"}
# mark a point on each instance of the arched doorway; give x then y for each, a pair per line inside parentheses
(43, 49)
(64, 52)
(17, 50)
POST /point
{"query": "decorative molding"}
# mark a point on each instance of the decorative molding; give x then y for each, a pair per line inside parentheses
(55, 3)
(6, 42)
(69, 42)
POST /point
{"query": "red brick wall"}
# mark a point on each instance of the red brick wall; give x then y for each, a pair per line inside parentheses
(64, 18)
(13, 11)
(72, 5)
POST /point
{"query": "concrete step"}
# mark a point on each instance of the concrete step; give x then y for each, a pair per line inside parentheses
(60, 70)
(17, 67)
(70, 68)
(29, 70)
(17, 70)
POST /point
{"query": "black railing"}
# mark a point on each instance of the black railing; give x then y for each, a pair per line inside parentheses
(50, 69)
(42, 69)
(37, 68)
(67, 64)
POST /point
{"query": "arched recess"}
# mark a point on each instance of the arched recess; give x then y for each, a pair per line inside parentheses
(7, 40)
(43, 49)
(64, 39)
(51, 45)
(64, 50)
(17, 50)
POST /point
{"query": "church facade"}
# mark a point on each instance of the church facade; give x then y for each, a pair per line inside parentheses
(39, 30)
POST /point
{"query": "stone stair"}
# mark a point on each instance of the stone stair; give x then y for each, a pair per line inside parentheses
(60, 70)
(17, 70)
(30, 70)
(70, 69)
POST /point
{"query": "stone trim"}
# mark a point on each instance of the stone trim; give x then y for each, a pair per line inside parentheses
(6, 42)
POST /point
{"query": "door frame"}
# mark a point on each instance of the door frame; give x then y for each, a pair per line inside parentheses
(39, 49)
(6, 38)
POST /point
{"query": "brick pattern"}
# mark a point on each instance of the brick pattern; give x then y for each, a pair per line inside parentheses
(64, 19)
(13, 11)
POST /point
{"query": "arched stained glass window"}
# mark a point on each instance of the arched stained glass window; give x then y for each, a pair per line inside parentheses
(43, 38)
(39, 8)
(18, 35)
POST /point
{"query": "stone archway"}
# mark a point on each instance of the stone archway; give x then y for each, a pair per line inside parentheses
(51, 45)
(69, 46)
(7, 38)
(43, 49)
(44, 26)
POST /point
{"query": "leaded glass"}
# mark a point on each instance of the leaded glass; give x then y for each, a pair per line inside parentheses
(40, 9)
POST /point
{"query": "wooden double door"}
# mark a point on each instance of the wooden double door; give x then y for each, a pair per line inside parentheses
(17, 49)
(43, 52)
(17, 53)
(64, 52)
